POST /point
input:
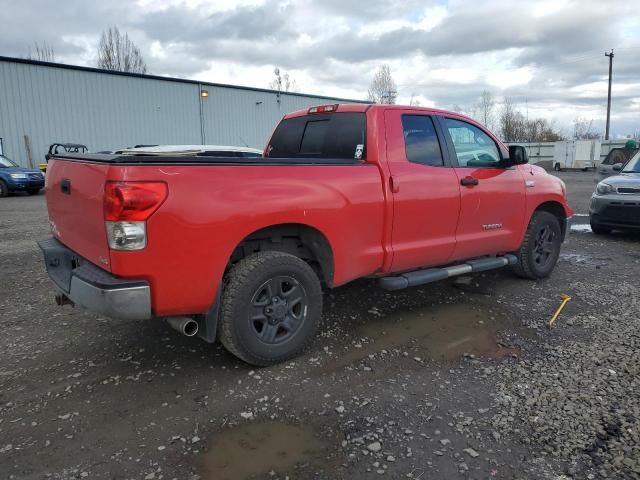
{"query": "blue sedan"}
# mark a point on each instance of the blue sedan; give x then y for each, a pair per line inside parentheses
(14, 178)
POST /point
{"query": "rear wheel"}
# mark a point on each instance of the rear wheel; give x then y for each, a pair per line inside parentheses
(556, 167)
(33, 191)
(4, 191)
(540, 249)
(271, 308)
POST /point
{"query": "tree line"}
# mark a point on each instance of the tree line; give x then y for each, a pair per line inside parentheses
(116, 52)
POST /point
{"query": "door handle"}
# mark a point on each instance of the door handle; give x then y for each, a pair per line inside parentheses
(469, 181)
(65, 186)
(394, 185)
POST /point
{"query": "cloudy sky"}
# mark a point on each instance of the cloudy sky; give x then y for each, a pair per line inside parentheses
(548, 55)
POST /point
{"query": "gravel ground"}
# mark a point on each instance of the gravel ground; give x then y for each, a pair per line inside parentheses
(459, 379)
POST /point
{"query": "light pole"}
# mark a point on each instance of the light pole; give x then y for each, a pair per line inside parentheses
(610, 55)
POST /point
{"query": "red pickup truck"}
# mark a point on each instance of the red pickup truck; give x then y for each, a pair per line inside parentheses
(242, 248)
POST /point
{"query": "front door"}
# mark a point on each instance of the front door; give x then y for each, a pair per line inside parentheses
(426, 195)
(493, 198)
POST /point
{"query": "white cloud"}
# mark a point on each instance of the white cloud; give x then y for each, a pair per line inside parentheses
(545, 54)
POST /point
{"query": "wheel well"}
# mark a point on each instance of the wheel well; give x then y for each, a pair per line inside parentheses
(303, 241)
(557, 210)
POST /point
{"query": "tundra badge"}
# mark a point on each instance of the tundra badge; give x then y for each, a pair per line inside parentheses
(492, 226)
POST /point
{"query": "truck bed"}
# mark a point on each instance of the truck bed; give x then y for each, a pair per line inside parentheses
(117, 159)
(213, 204)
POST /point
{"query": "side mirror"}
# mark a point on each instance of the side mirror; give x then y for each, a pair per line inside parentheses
(517, 155)
(617, 167)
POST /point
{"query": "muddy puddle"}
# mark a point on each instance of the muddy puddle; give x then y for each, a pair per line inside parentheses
(444, 332)
(255, 449)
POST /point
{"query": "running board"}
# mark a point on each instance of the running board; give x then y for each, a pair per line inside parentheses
(428, 275)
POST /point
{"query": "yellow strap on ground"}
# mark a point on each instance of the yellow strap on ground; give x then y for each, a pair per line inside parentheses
(565, 299)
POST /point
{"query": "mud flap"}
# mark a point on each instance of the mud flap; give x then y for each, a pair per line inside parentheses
(208, 324)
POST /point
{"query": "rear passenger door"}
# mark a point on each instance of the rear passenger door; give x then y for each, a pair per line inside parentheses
(426, 194)
(492, 198)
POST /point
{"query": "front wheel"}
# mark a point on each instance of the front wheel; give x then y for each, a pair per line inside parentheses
(4, 190)
(556, 167)
(271, 308)
(540, 249)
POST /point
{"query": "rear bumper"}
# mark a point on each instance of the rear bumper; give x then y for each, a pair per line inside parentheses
(93, 288)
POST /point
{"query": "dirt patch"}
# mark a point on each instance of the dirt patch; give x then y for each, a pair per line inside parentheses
(441, 333)
(255, 449)
(583, 260)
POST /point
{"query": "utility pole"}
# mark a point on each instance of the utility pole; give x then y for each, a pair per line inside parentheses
(610, 55)
(389, 96)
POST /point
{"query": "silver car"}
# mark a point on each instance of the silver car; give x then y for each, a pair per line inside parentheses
(615, 204)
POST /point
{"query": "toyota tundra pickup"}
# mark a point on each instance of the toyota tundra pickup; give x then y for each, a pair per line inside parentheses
(241, 249)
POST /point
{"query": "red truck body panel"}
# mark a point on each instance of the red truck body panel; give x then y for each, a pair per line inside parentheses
(432, 240)
(75, 216)
(192, 235)
(379, 216)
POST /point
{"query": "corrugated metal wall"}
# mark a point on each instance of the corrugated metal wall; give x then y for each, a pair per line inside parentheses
(247, 117)
(106, 112)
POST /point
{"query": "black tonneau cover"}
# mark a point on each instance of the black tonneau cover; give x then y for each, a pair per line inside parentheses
(198, 160)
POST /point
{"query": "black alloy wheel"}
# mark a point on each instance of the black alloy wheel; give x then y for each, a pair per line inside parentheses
(278, 309)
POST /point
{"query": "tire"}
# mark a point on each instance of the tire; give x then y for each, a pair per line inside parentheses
(259, 321)
(33, 191)
(4, 190)
(540, 248)
(597, 230)
(557, 168)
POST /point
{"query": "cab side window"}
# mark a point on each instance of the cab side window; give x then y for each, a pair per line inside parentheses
(421, 141)
(473, 147)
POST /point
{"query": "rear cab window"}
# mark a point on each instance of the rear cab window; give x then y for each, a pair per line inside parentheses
(339, 135)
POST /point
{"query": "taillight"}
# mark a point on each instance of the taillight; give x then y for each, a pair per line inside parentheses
(132, 200)
(127, 206)
(323, 109)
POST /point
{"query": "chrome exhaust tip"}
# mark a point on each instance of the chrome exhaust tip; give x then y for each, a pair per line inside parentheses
(185, 325)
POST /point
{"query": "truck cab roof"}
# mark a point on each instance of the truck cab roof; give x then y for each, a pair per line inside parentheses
(365, 107)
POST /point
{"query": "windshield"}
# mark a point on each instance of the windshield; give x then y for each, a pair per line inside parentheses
(633, 166)
(6, 163)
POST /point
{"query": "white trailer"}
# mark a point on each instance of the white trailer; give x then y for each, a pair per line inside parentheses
(582, 154)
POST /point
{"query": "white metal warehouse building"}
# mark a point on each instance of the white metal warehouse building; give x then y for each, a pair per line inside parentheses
(42, 103)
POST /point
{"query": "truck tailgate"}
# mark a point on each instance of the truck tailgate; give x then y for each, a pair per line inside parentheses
(74, 199)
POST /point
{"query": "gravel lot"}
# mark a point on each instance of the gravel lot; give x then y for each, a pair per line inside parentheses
(460, 379)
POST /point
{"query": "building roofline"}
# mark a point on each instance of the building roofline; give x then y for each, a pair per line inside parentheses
(67, 66)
